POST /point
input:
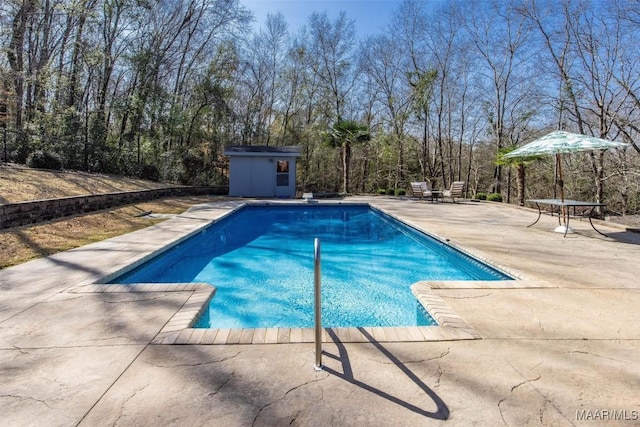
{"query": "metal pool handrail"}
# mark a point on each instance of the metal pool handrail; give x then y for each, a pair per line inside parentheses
(317, 303)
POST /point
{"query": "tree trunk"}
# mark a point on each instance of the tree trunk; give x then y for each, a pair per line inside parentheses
(15, 55)
(76, 54)
(346, 159)
(520, 176)
(597, 165)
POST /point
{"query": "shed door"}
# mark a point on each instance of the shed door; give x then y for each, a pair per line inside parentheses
(262, 177)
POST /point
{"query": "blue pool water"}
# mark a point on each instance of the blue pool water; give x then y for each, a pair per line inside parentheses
(260, 259)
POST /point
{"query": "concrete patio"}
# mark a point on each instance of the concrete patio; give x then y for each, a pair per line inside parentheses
(561, 346)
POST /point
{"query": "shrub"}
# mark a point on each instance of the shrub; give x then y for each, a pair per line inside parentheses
(494, 197)
(41, 159)
(481, 196)
(382, 191)
(150, 172)
(192, 166)
(400, 192)
(389, 192)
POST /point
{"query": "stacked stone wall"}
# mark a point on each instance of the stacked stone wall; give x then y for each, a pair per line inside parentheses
(31, 212)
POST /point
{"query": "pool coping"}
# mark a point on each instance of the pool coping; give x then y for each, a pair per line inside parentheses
(179, 329)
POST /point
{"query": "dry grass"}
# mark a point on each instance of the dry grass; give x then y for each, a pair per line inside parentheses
(19, 184)
(21, 244)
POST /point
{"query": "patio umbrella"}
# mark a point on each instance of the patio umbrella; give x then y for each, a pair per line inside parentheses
(560, 142)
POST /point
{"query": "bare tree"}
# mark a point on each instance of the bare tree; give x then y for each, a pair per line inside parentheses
(331, 57)
(446, 46)
(588, 49)
(265, 59)
(500, 37)
(386, 80)
(410, 24)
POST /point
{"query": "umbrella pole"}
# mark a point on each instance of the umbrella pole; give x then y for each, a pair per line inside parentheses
(563, 209)
(560, 179)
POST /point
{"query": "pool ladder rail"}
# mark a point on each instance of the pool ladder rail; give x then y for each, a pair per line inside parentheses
(317, 267)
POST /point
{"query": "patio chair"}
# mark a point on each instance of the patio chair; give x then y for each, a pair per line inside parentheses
(456, 190)
(421, 190)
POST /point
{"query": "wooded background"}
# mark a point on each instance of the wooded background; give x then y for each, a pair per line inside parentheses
(157, 89)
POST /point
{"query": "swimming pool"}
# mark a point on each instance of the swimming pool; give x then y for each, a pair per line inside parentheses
(260, 258)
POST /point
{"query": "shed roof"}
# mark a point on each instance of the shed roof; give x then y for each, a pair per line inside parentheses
(263, 150)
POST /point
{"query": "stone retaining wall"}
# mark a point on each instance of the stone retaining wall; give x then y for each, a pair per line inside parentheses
(23, 213)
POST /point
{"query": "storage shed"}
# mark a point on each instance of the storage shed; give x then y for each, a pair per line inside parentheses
(262, 171)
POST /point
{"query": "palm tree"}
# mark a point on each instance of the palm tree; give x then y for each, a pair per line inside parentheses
(344, 134)
(519, 163)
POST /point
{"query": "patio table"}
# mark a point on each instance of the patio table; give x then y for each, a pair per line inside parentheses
(566, 204)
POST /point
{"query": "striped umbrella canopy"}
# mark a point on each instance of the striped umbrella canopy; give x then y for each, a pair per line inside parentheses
(560, 142)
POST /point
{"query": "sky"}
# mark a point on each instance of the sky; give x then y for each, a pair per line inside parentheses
(370, 16)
